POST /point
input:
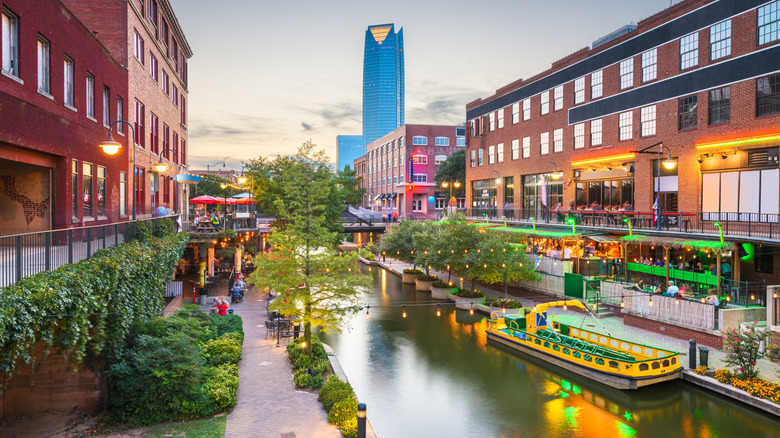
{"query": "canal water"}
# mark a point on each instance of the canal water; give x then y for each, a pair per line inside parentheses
(429, 376)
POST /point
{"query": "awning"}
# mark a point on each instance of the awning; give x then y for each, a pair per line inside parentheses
(377, 197)
(539, 232)
(395, 195)
(600, 238)
(383, 196)
(676, 242)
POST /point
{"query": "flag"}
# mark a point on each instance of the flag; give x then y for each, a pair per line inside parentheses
(543, 193)
(656, 210)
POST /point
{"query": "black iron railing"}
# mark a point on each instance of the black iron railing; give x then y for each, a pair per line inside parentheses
(22, 255)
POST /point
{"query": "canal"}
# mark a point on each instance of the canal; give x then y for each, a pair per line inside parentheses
(429, 376)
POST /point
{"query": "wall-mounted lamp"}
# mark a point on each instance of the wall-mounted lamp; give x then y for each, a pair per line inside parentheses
(700, 159)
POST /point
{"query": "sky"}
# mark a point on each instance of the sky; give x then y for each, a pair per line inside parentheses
(266, 76)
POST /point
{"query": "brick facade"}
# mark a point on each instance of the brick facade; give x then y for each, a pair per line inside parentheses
(41, 135)
(674, 331)
(663, 33)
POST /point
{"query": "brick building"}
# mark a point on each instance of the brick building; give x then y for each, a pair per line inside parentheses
(146, 38)
(59, 90)
(698, 83)
(399, 167)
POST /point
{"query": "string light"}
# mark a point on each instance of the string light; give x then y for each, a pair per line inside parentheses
(403, 314)
(651, 301)
(752, 297)
(534, 308)
(471, 310)
(367, 307)
(438, 310)
(564, 305)
(622, 302)
(774, 295)
(728, 298)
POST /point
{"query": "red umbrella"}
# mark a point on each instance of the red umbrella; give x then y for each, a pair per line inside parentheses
(245, 201)
(206, 199)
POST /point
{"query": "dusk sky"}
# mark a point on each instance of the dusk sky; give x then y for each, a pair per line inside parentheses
(267, 76)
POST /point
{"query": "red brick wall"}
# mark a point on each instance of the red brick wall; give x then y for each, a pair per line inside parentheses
(32, 122)
(673, 331)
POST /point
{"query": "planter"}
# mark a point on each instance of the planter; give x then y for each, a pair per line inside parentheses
(442, 293)
(408, 278)
(424, 285)
(465, 303)
(508, 311)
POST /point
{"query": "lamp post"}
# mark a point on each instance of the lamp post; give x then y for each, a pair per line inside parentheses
(161, 167)
(242, 180)
(448, 182)
(554, 175)
(208, 166)
(669, 164)
(497, 180)
(111, 147)
(224, 221)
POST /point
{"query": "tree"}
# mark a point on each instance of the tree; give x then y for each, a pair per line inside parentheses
(349, 184)
(494, 259)
(210, 185)
(454, 168)
(400, 242)
(447, 242)
(314, 282)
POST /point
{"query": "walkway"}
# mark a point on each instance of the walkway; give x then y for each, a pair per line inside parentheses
(269, 405)
(614, 324)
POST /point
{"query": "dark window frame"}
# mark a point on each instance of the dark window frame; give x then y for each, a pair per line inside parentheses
(719, 106)
(687, 112)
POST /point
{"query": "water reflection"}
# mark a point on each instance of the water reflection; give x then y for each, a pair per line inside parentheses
(430, 376)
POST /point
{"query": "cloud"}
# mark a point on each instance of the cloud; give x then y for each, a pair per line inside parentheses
(346, 112)
(306, 126)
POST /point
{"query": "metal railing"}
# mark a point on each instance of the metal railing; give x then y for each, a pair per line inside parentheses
(734, 224)
(23, 255)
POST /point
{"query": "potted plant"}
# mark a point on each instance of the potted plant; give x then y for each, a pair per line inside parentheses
(423, 282)
(465, 299)
(410, 275)
(506, 306)
(441, 290)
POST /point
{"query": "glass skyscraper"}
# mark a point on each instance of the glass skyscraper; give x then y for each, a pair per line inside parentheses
(350, 148)
(383, 81)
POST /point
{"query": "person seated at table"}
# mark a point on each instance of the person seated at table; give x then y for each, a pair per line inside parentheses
(712, 298)
(566, 253)
(657, 289)
(596, 206)
(640, 260)
(196, 221)
(214, 219)
(685, 292)
(699, 267)
(725, 269)
(640, 285)
(672, 290)
(626, 207)
(220, 306)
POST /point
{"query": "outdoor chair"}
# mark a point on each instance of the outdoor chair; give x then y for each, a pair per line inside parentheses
(270, 328)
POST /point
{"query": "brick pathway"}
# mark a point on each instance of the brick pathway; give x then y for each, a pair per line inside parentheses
(269, 405)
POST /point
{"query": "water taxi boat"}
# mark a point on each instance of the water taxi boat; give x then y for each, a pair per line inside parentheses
(615, 362)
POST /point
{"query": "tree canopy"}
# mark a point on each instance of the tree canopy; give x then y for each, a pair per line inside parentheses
(349, 184)
(453, 168)
(210, 185)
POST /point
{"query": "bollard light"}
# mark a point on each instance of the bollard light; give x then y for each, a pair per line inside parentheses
(361, 420)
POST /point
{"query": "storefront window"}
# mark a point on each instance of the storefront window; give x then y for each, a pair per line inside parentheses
(534, 189)
(75, 192)
(509, 196)
(101, 191)
(480, 195)
(87, 189)
(608, 194)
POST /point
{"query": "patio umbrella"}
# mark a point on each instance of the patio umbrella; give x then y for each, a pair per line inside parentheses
(245, 201)
(206, 199)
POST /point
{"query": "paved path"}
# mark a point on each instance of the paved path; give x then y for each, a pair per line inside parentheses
(269, 405)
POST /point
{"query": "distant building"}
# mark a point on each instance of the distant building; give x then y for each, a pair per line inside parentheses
(383, 81)
(350, 147)
(398, 169)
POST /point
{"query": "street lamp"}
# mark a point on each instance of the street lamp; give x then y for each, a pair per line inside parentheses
(497, 181)
(554, 175)
(448, 182)
(111, 147)
(669, 164)
(161, 167)
(224, 187)
(208, 166)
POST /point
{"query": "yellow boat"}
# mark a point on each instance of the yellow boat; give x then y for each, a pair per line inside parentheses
(615, 362)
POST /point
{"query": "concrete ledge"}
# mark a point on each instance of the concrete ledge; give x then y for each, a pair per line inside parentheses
(334, 363)
(731, 392)
(368, 262)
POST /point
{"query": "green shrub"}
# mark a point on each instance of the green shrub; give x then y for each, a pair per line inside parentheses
(506, 304)
(222, 385)
(412, 271)
(306, 380)
(301, 362)
(227, 324)
(225, 349)
(349, 429)
(427, 277)
(463, 293)
(334, 390)
(343, 411)
(442, 284)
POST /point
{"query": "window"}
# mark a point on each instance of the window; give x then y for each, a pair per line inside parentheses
(420, 178)
(500, 153)
(767, 95)
(626, 125)
(165, 83)
(460, 141)
(440, 203)
(442, 141)
(67, 74)
(183, 152)
(166, 143)
(545, 102)
(558, 98)
(687, 112)
(120, 112)
(473, 161)
(492, 124)
(420, 159)
(596, 80)
(101, 192)
(689, 51)
(416, 204)
(595, 132)
(649, 65)
(480, 157)
(526, 109)
(579, 90)
(719, 107)
(106, 106)
(175, 95)
(419, 140)
(544, 143)
(515, 113)
(183, 103)
(558, 140)
(153, 67)
(515, 149)
(526, 147)
(74, 181)
(175, 147)
(138, 47)
(90, 96)
(579, 136)
(154, 133)
(501, 118)
(627, 73)
(647, 121)
(43, 65)
(473, 128)
(491, 154)
(395, 179)
(122, 193)
(769, 23)
(748, 195)
(87, 190)
(140, 114)
(10, 41)
(720, 40)
(438, 159)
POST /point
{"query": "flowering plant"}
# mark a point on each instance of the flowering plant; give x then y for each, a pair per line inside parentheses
(702, 370)
(743, 349)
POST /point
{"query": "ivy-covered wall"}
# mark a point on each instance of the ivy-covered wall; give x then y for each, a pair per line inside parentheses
(84, 311)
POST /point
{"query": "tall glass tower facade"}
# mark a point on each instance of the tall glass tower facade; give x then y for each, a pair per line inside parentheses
(383, 81)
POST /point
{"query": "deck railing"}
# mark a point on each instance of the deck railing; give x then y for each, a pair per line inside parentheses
(22, 255)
